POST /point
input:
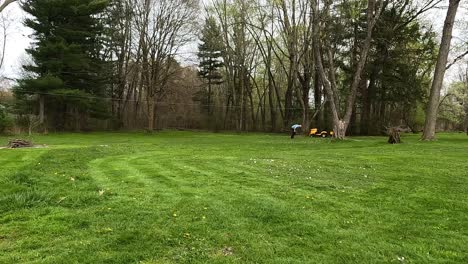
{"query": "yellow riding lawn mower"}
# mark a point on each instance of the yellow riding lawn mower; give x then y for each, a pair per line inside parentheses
(314, 132)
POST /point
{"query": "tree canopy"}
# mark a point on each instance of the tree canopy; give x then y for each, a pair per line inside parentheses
(66, 60)
(356, 67)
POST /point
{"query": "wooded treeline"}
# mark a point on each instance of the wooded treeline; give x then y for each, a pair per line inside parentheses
(354, 66)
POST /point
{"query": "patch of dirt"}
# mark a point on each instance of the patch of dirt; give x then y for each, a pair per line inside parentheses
(34, 147)
(228, 251)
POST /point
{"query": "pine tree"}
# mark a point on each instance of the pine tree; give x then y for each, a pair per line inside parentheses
(65, 73)
(210, 52)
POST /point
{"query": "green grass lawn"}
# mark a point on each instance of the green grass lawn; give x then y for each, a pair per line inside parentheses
(182, 197)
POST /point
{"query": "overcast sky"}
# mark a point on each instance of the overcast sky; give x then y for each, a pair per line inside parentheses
(17, 41)
(18, 37)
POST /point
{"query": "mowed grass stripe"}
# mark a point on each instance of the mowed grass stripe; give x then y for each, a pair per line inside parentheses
(185, 197)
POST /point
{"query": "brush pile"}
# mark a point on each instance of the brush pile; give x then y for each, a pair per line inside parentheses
(20, 143)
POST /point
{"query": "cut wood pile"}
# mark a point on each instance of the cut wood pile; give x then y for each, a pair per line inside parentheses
(20, 143)
(394, 134)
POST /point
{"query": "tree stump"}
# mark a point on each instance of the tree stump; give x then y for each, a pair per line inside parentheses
(20, 143)
(394, 135)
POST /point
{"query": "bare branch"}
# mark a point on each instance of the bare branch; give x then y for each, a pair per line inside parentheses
(457, 59)
(5, 4)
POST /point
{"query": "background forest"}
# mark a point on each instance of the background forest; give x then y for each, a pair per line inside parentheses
(353, 66)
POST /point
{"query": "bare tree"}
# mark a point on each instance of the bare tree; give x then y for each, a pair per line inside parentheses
(434, 99)
(295, 24)
(163, 27)
(118, 20)
(288, 19)
(341, 120)
(263, 32)
(239, 55)
(5, 23)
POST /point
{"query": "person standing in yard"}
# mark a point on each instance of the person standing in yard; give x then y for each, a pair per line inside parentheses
(294, 130)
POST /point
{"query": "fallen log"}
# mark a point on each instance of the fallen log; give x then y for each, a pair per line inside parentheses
(20, 143)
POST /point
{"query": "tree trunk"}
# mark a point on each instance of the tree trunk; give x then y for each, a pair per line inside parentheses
(252, 109)
(271, 104)
(242, 101)
(353, 125)
(77, 119)
(340, 127)
(209, 98)
(365, 109)
(30, 127)
(151, 114)
(318, 100)
(263, 111)
(227, 112)
(305, 83)
(288, 98)
(433, 105)
(305, 114)
(370, 105)
(466, 117)
(41, 109)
